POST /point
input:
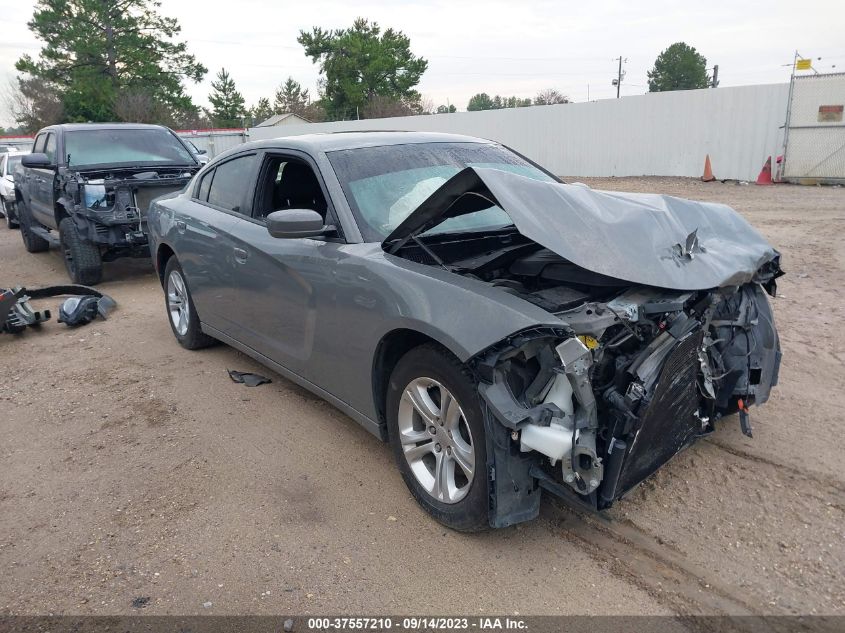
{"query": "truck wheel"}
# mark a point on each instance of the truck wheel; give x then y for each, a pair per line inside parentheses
(32, 243)
(9, 212)
(180, 308)
(82, 258)
(436, 431)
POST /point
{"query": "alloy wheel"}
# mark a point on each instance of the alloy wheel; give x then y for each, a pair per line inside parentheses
(177, 302)
(436, 440)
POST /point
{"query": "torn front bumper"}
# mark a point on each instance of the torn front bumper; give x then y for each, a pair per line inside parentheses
(618, 434)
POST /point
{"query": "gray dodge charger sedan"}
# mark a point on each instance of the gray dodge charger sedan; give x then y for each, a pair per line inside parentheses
(507, 333)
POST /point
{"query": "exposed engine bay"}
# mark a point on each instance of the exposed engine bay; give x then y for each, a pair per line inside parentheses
(110, 206)
(633, 375)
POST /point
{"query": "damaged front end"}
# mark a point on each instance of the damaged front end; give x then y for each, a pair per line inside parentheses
(110, 207)
(591, 410)
(665, 329)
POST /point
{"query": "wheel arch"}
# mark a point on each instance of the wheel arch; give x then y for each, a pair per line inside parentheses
(392, 347)
(62, 209)
(163, 255)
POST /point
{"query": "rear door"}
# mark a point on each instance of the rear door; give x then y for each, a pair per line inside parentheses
(205, 246)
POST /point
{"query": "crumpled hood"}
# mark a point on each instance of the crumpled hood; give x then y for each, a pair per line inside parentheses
(648, 239)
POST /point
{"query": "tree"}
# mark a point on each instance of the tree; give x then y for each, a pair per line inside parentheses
(679, 67)
(33, 104)
(261, 111)
(361, 63)
(550, 96)
(442, 109)
(96, 49)
(290, 97)
(227, 103)
(480, 101)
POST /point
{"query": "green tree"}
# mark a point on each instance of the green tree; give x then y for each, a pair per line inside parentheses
(443, 109)
(679, 67)
(227, 103)
(361, 63)
(261, 111)
(480, 101)
(94, 50)
(290, 97)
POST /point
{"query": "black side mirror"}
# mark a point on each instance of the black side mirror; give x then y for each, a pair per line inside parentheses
(294, 223)
(202, 152)
(37, 159)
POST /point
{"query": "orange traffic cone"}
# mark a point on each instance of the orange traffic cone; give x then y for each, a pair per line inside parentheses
(765, 177)
(707, 176)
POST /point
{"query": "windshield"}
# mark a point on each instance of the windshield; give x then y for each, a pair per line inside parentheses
(125, 147)
(385, 184)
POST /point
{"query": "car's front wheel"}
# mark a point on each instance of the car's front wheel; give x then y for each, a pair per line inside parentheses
(181, 312)
(436, 431)
(83, 260)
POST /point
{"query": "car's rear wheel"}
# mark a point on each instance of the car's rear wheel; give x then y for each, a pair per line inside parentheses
(436, 431)
(181, 313)
(32, 243)
(83, 260)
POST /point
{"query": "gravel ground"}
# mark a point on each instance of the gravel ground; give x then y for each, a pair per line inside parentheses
(137, 478)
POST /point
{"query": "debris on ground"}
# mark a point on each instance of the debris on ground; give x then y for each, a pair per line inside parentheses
(248, 379)
(83, 306)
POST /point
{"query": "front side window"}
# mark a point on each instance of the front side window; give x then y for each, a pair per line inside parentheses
(38, 146)
(385, 184)
(230, 182)
(130, 147)
(288, 183)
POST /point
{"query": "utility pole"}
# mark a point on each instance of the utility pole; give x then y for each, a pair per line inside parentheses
(715, 81)
(619, 77)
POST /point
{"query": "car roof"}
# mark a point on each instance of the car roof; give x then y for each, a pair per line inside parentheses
(333, 141)
(70, 127)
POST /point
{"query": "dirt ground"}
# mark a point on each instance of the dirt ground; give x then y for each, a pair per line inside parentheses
(134, 470)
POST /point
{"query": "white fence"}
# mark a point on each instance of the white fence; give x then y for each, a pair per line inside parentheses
(816, 140)
(656, 134)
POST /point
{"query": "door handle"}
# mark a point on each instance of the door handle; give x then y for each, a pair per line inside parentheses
(181, 226)
(241, 255)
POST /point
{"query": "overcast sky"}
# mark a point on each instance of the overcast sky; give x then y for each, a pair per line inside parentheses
(498, 47)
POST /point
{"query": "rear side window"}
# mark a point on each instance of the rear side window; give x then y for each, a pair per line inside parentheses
(205, 185)
(230, 183)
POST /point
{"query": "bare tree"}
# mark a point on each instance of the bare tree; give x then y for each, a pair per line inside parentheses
(379, 107)
(33, 103)
(550, 96)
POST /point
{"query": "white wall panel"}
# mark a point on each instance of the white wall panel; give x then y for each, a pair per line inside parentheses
(656, 134)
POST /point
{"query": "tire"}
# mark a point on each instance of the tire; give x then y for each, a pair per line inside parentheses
(31, 242)
(82, 258)
(181, 313)
(11, 218)
(450, 443)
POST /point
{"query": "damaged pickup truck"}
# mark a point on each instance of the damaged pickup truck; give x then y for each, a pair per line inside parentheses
(93, 182)
(507, 333)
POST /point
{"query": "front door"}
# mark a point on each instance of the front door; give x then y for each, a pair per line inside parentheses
(286, 286)
(41, 181)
